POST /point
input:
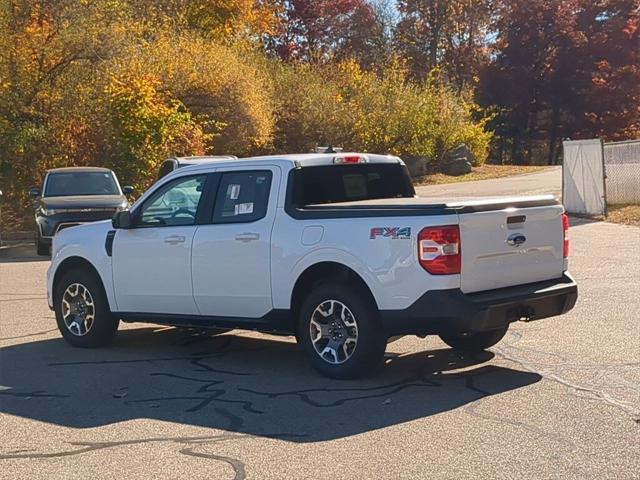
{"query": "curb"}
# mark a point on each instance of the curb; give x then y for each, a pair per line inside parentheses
(18, 236)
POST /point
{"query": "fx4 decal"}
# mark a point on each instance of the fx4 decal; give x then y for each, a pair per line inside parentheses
(390, 232)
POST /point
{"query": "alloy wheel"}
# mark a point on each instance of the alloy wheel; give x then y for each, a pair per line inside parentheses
(78, 309)
(334, 331)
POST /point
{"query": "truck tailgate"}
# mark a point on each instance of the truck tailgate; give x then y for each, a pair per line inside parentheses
(508, 245)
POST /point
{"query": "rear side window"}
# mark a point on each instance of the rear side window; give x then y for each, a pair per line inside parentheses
(242, 197)
(347, 183)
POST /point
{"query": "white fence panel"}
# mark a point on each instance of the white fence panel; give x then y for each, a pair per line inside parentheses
(622, 165)
(583, 177)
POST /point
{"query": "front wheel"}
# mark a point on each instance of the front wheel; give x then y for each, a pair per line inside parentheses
(339, 332)
(82, 310)
(474, 342)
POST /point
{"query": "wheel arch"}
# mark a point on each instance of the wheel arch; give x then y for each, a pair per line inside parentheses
(328, 271)
(71, 263)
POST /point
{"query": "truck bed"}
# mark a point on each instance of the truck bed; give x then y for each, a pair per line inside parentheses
(490, 258)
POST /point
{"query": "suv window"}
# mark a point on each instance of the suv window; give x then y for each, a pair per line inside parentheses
(60, 184)
(174, 204)
(242, 197)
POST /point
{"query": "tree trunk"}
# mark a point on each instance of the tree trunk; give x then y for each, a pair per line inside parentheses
(553, 136)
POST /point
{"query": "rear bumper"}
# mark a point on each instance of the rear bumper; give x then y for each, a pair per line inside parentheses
(451, 311)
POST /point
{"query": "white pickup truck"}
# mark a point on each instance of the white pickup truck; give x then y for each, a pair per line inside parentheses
(335, 249)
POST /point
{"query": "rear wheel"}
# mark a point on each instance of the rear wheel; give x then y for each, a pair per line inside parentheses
(82, 311)
(475, 342)
(339, 332)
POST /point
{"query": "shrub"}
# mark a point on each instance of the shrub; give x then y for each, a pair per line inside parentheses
(376, 112)
(147, 126)
(224, 95)
(310, 108)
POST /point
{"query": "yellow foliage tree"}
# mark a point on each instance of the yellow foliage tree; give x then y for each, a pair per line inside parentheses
(147, 126)
(225, 95)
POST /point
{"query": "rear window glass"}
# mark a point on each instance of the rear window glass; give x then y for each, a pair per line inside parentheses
(242, 197)
(347, 183)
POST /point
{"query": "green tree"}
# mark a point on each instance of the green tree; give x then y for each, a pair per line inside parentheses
(381, 112)
(222, 88)
(147, 126)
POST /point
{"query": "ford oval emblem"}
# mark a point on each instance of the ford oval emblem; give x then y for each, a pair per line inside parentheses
(516, 239)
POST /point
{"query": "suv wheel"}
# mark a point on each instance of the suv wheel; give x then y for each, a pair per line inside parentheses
(339, 332)
(475, 342)
(82, 311)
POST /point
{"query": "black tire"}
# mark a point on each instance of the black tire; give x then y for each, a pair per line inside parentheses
(104, 325)
(369, 348)
(42, 248)
(475, 342)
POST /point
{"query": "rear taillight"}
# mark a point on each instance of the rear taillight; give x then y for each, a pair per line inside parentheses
(439, 250)
(565, 235)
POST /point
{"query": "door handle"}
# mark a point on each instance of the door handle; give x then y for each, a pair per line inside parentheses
(247, 237)
(174, 239)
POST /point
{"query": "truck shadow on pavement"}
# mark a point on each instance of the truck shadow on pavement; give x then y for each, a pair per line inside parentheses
(243, 384)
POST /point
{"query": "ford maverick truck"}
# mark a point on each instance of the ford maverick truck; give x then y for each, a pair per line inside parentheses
(335, 249)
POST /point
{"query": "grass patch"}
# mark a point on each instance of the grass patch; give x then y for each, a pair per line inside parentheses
(483, 172)
(625, 214)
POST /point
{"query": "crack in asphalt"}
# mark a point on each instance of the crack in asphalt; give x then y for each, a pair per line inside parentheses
(189, 443)
(34, 394)
(237, 465)
(86, 447)
(197, 357)
(211, 394)
(304, 397)
(554, 371)
(473, 410)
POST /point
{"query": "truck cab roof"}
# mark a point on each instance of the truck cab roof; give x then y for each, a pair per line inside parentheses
(295, 160)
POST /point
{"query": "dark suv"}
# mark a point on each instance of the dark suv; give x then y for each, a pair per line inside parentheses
(75, 195)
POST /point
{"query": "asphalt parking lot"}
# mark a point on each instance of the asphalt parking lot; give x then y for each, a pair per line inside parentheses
(557, 398)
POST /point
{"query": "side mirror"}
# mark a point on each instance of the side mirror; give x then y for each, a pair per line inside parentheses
(122, 219)
(128, 190)
(34, 192)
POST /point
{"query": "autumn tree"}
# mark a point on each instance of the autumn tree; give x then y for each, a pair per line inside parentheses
(445, 34)
(321, 30)
(609, 104)
(146, 126)
(49, 56)
(223, 89)
(225, 21)
(571, 70)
